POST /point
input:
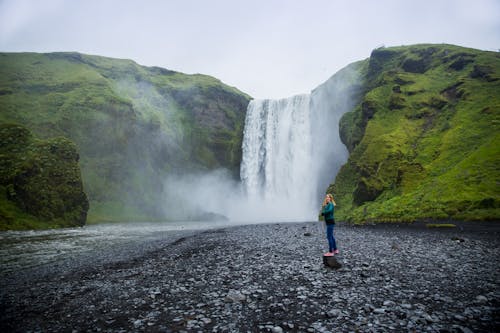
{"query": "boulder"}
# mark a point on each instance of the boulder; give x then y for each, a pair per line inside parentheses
(331, 262)
(41, 180)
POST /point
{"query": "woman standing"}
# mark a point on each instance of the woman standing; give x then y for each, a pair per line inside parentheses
(328, 213)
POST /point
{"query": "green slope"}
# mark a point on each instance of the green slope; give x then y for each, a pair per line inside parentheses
(424, 138)
(132, 124)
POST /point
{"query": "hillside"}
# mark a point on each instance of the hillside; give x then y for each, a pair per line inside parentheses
(131, 124)
(423, 138)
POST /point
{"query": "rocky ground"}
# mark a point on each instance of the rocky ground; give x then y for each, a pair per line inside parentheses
(271, 278)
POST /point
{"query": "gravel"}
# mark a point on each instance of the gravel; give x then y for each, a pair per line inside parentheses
(270, 278)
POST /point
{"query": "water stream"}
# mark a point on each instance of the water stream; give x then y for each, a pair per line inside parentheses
(30, 249)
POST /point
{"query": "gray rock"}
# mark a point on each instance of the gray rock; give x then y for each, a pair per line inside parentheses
(331, 262)
(389, 303)
(277, 329)
(253, 277)
(234, 296)
(334, 313)
(481, 299)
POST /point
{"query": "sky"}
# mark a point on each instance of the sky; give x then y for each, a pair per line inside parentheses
(265, 48)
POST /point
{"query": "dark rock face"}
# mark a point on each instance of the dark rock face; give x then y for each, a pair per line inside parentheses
(483, 72)
(42, 178)
(331, 262)
(378, 57)
(366, 192)
(460, 63)
(414, 65)
(217, 115)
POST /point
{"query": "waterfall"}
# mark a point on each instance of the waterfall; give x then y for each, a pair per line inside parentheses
(277, 156)
(292, 150)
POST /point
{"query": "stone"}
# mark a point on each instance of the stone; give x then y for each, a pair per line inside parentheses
(334, 313)
(277, 329)
(331, 262)
(235, 296)
(481, 299)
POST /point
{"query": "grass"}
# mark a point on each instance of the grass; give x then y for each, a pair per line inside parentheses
(40, 182)
(132, 124)
(423, 140)
(440, 225)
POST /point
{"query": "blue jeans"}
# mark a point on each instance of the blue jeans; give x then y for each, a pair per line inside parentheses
(332, 245)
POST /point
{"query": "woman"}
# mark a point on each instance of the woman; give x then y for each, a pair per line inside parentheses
(327, 212)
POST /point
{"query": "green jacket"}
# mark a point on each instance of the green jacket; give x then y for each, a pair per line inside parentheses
(328, 211)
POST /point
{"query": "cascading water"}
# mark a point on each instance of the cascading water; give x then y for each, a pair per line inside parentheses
(277, 156)
(292, 150)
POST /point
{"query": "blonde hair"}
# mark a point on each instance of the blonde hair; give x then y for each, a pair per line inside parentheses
(329, 195)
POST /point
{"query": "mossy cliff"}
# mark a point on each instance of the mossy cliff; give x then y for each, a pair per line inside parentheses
(132, 124)
(40, 181)
(424, 137)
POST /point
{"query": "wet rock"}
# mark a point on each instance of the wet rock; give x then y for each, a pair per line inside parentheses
(331, 262)
(235, 296)
(277, 329)
(334, 313)
(253, 278)
(481, 299)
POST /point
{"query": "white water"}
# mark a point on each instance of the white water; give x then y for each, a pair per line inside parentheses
(276, 154)
(292, 150)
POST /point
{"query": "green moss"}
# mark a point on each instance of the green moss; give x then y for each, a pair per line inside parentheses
(440, 225)
(423, 137)
(40, 182)
(132, 124)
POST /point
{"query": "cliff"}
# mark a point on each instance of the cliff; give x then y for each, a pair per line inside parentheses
(423, 137)
(131, 124)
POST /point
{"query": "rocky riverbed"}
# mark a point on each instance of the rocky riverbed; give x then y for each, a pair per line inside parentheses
(269, 278)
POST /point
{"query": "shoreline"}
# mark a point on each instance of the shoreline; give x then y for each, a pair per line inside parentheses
(267, 277)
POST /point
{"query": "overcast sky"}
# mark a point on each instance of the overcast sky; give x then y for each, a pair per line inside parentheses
(266, 48)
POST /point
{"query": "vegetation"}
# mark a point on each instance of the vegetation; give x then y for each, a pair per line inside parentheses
(423, 137)
(131, 124)
(40, 182)
(440, 225)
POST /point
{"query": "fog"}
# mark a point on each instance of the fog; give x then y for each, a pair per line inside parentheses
(216, 195)
(291, 152)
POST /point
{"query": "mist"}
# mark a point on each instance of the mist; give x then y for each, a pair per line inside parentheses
(213, 195)
(216, 195)
(291, 150)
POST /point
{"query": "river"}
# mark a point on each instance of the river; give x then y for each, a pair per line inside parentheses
(29, 249)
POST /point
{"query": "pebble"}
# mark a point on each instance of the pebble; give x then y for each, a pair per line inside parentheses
(270, 278)
(277, 329)
(481, 299)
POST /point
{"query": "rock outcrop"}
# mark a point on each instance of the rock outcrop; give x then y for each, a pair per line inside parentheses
(422, 137)
(40, 181)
